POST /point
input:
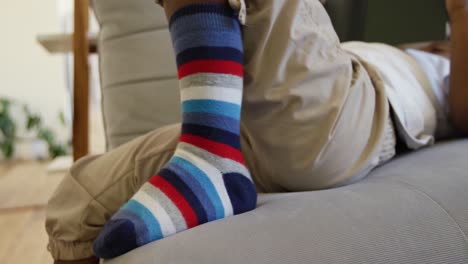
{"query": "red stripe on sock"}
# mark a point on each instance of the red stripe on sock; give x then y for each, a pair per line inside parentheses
(214, 147)
(211, 66)
(179, 200)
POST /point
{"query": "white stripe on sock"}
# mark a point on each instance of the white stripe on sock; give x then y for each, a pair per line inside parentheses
(229, 95)
(212, 79)
(167, 227)
(225, 165)
(216, 177)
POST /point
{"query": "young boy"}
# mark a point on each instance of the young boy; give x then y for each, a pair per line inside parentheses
(315, 114)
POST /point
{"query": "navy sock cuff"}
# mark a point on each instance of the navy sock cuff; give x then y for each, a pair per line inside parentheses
(202, 18)
(207, 9)
(205, 25)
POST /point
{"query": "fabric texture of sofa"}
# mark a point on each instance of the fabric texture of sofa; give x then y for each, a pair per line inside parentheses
(412, 210)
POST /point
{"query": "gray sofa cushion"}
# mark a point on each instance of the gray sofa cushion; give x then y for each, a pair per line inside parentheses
(138, 71)
(412, 210)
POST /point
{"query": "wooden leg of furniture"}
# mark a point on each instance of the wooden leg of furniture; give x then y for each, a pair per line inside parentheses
(81, 81)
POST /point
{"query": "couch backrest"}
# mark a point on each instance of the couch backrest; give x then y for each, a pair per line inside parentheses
(137, 68)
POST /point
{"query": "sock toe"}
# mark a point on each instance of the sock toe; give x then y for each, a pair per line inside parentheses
(117, 237)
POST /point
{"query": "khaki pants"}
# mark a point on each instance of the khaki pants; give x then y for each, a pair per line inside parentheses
(312, 119)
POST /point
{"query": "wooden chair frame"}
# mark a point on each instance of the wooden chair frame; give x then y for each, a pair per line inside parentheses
(81, 80)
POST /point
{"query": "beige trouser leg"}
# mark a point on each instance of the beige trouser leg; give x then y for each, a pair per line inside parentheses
(311, 119)
(97, 186)
(311, 113)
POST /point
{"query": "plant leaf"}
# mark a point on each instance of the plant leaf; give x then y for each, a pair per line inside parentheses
(46, 135)
(7, 126)
(61, 118)
(8, 149)
(32, 122)
(56, 150)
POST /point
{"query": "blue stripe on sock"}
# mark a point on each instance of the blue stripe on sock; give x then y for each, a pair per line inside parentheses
(212, 120)
(187, 193)
(219, 9)
(213, 134)
(209, 53)
(208, 39)
(204, 181)
(152, 224)
(212, 107)
(195, 185)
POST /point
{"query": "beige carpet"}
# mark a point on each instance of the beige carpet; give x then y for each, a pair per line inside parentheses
(25, 187)
(26, 184)
(23, 237)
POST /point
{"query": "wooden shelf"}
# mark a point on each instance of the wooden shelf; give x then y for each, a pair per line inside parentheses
(63, 43)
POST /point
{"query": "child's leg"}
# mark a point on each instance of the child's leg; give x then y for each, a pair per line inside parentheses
(312, 115)
(206, 179)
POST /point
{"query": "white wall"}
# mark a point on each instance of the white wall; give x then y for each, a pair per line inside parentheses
(27, 72)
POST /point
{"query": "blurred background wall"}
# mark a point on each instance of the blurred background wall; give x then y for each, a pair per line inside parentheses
(30, 75)
(27, 72)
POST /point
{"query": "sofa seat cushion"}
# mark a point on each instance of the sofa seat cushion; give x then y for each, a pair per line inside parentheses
(412, 210)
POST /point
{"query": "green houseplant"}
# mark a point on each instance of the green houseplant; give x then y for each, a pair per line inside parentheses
(34, 124)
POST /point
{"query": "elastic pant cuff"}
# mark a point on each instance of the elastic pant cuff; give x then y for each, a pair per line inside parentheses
(64, 250)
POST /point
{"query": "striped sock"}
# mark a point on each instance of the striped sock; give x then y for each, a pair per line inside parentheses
(206, 179)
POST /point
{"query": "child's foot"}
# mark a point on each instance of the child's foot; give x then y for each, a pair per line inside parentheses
(206, 179)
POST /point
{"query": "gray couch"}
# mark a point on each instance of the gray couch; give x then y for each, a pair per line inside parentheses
(412, 210)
